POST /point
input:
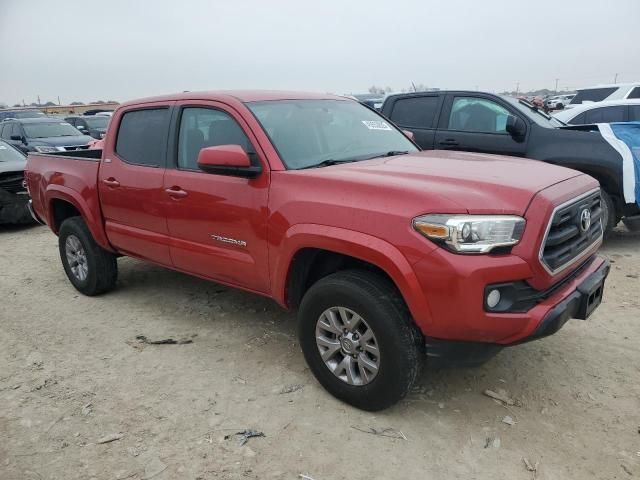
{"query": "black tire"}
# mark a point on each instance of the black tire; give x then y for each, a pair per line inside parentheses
(609, 216)
(401, 345)
(102, 266)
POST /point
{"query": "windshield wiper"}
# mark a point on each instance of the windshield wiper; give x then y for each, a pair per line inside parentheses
(327, 163)
(390, 153)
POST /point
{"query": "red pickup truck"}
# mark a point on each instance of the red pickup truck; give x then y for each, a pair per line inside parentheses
(389, 254)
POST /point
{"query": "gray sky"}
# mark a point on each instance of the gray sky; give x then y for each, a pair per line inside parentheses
(121, 49)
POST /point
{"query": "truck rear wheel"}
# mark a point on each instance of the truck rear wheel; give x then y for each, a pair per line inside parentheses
(89, 267)
(359, 340)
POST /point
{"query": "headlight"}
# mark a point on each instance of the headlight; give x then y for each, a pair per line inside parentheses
(471, 233)
(48, 149)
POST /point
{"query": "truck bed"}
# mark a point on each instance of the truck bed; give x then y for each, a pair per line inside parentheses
(70, 176)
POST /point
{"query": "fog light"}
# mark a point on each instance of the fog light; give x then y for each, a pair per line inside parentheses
(493, 298)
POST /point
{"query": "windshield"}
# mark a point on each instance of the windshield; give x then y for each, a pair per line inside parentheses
(96, 122)
(308, 132)
(50, 129)
(534, 113)
(9, 154)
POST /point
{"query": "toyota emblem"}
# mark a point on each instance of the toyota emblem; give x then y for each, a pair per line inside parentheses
(585, 219)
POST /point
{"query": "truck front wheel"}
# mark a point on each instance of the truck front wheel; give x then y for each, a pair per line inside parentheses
(359, 340)
(89, 267)
(609, 215)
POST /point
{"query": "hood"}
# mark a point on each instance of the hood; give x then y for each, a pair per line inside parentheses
(478, 183)
(61, 141)
(13, 166)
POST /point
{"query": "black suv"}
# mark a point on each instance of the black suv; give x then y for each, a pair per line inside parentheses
(93, 125)
(483, 122)
(43, 135)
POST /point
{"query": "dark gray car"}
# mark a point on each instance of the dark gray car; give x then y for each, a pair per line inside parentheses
(13, 194)
(44, 135)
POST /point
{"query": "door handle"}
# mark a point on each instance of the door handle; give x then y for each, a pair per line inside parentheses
(450, 142)
(176, 192)
(111, 182)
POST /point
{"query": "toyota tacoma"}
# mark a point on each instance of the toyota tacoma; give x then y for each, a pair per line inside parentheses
(389, 255)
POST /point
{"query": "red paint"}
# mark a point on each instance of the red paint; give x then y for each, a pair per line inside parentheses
(363, 209)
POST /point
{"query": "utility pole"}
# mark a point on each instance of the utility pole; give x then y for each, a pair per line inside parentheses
(517, 88)
(556, 89)
(59, 100)
(38, 100)
(615, 79)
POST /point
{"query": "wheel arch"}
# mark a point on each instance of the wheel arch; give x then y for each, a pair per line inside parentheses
(63, 203)
(310, 252)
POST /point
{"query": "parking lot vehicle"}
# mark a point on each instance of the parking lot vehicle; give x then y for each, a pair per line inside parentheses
(43, 135)
(483, 122)
(600, 93)
(13, 194)
(372, 100)
(558, 102)
(601, 112)
(7, 114)
(93, 125)
(98, 111)
(319, 203)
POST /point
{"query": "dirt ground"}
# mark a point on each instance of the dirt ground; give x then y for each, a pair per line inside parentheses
(73, 375)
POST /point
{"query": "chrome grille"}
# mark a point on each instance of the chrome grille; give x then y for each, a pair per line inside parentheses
(567, 240)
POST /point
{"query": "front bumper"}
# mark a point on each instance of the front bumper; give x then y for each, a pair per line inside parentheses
(454, 289)
(578, 300)
(33, 213)
(579, 304)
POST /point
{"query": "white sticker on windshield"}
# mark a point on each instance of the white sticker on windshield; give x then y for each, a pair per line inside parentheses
(376, 125)
(2, 147)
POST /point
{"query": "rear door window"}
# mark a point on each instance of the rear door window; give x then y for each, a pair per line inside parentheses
(593, 95)
(472, 114)
(142, 136)
(577, 120)
(418, 112)
(635, 93)
(605, 114)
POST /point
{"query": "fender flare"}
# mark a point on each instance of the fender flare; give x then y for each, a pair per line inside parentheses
(60, 192)
(359, 245)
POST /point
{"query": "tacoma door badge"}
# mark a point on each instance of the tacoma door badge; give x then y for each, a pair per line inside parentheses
(231, 241)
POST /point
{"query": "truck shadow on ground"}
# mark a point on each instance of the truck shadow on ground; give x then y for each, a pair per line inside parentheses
(200, 304)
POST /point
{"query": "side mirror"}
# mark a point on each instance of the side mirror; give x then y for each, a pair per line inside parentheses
(409, 134)
(17, 138)
(227, 160)
(515, 126)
